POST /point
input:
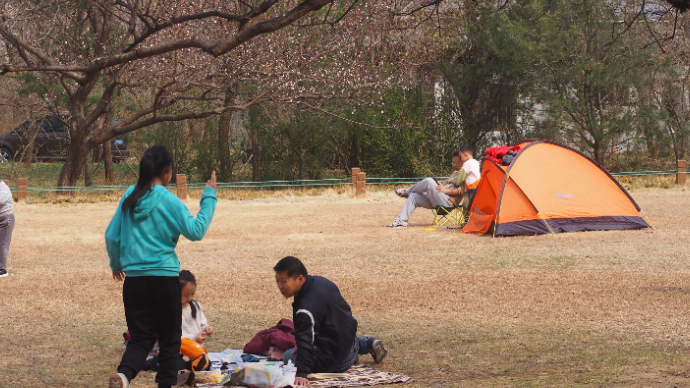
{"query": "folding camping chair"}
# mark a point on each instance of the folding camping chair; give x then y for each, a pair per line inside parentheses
(452, 214)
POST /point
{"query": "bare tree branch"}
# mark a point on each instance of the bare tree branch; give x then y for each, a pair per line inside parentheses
(19, 42)
(134, 123)
(339, 117)
(216, 48)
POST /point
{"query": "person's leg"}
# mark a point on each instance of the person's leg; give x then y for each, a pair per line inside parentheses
(350, 360)
(6, 228)
(168, 312)
(290, 355)
(373, 346)
(376, 348)
(467, 203)
(361, 345)
(422, 186)
(414, 201)
(141, 322)
(436, 197)
(428, 187)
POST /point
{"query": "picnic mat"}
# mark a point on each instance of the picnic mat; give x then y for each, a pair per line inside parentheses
(358, 376)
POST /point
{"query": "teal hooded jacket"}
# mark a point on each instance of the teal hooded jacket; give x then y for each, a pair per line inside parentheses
(143, 243)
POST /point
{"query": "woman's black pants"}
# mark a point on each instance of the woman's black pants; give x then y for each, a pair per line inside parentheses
(153, 311)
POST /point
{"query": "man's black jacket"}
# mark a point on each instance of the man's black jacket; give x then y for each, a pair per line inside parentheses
(325, 329)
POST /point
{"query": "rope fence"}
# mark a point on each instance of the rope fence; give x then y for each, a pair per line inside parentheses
(647, 173)
(359, 181)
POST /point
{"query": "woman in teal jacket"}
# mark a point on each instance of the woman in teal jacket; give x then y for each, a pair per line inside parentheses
(141, 240)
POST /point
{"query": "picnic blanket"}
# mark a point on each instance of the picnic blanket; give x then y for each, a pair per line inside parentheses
(358, 376)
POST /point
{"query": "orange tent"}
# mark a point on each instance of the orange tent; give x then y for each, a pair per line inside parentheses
(550, 188)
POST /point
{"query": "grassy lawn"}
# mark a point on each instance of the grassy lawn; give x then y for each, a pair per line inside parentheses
(46, 174)
(584, 309)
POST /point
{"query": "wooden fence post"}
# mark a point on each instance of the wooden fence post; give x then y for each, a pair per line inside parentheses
(181, 180)
(361, 183)
(681, 167)
(7, 182)
(355, 171)
(22, 184)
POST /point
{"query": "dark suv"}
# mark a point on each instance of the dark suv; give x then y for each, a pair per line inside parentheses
(52, 141)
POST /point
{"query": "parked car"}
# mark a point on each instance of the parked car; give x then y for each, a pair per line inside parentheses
(51, 142)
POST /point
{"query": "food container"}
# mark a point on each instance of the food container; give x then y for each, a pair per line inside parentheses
(208, 377)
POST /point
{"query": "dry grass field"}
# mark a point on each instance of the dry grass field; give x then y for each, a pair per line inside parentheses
(582, 309)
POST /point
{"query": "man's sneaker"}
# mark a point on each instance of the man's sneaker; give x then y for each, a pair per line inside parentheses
(401, 193)
(118, 380)
(151, 363)
(377, 349)
(4, 273)
(397, 223)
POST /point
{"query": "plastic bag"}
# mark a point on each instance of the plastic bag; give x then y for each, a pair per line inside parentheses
(290, 372)
(264, 375)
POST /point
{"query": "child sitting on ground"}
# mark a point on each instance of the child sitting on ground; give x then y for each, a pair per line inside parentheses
(195, 327)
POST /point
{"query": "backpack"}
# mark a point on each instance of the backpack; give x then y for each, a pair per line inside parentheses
(196, 353)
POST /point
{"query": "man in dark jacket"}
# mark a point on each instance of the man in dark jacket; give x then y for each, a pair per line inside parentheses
(325, 330)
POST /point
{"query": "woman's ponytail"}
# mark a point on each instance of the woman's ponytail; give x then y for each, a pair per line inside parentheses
(154, 163)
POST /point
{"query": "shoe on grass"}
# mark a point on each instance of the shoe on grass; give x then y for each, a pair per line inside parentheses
(397, 223)
(401, 193)
(377, 349)
(118, 380)
(4, 273)
(464, 222)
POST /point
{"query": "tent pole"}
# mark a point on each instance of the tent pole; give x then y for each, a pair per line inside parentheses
(547, 224)
(647, 218)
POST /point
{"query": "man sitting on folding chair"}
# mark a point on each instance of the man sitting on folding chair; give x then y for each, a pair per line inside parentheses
(430, 194)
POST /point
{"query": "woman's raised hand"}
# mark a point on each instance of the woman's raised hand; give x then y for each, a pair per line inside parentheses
(212, 182)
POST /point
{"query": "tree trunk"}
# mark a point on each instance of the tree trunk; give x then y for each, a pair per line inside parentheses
(256, 172)
(108, 162)
(353, 160)
(78, 131)
(87, 173)
(71, 170)
(300, 165)
(598, 152)
(224, 132)
(682, 140)
(256, 149)
(649, 140)
(28, 153)
(675, 144)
